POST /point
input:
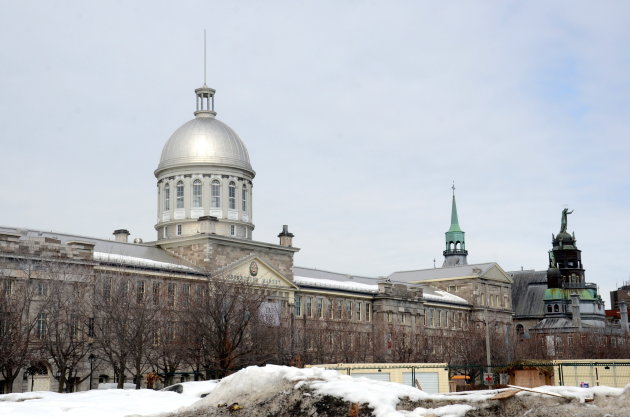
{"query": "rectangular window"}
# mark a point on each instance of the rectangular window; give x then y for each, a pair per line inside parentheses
(232, 196)
(8, 287)
(330, 309)
(389, 316)
(232, 230)
(41, 289)
(309, 302)
(74, 326)
(298, 305)
(156, 293)
(171, 294)
(358, 312)
(90, 327)
(215, 194)
(140, 292)
(107, 288)
(180, 195)
(368, 311)
(197, 194)
(40, 326)
(165, 233)
(320, 307)
(244, 199)
(179, 230)
(403, 318)
(349, 310)
(339, 308)
(185, 293)
(167, 198)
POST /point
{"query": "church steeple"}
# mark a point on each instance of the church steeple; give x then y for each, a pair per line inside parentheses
(455, 252)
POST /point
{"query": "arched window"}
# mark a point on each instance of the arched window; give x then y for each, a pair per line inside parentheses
(556, 308)
(244, 199)
(549, 308)
(180, 195)
(167, 197)
(232, 196)
(197, 194)
(215, 193)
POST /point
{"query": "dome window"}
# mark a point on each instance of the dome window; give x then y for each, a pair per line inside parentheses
(215, 193)
(197, 190)
(244, 198)
(232, 196)
(180, 195)
(167, 197)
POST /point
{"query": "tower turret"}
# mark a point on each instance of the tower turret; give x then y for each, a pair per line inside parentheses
(455, 253)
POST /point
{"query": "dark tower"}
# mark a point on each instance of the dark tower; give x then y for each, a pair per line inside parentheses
(565, 259)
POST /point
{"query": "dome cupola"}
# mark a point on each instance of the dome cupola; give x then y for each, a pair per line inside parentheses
(204, 170)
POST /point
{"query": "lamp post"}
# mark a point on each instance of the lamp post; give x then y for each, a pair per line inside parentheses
(91, 359)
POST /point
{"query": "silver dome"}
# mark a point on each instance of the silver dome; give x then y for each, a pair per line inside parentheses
(205, 140)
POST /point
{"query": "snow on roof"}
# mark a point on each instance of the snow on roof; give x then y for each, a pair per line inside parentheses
(338, 285)
(443, 296)
(142, 262)
(445, 272)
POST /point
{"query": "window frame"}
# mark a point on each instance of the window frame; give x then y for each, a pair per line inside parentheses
(197, 194)
(232, 195)
(179, 195)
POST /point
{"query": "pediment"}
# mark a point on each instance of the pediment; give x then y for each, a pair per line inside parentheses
(255, 271)
(496, 273)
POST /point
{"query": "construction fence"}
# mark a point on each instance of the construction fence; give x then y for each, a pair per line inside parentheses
(443, 378)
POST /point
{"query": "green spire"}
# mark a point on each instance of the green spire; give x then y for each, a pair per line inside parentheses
(455, 252)
(454, 222)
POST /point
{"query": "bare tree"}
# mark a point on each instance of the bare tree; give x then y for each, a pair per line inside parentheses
(66, 309)
(223, 317)
(124, 325)
(16, 322)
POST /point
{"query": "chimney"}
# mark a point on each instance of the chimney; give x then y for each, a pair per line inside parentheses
(623, 311)
(286, 238)
(121, 235)
(207, 225)
(575, 310)
(385, 287)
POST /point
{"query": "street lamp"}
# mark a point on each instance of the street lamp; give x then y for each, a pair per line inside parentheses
(91, 359)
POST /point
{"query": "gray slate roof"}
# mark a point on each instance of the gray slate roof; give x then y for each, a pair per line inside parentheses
(528, 291)
(439, 273)
(146, 252)
(429, 292)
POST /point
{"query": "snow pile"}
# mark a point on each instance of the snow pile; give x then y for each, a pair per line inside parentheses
(255, 385)
(101, 403)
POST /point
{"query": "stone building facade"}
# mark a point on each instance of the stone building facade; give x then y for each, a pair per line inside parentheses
(205, 233)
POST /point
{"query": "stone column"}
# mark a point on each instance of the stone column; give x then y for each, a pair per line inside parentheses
(623, 312)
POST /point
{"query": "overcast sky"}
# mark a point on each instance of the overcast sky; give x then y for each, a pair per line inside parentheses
(358, 116)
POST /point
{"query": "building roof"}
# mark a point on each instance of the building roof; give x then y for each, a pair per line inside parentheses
(204, 140)
(446, 272)
(110, 251)
(308, 277)
(528, 293)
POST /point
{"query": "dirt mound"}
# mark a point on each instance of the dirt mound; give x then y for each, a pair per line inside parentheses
(290, 402)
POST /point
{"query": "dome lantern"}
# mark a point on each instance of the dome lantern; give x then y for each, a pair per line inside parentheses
(205, 101)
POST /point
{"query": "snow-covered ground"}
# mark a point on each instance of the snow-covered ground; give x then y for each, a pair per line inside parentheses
(249, 386)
